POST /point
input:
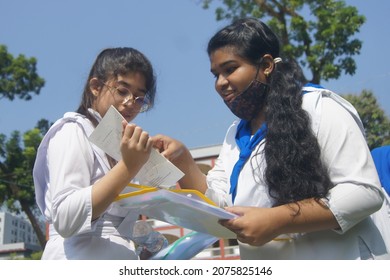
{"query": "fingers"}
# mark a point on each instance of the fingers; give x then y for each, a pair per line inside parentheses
(231, 224)
(235, 226)
(136, 146)
(240, 211)
(238, 225)
(161, 142)
(158, 142)
(135, 137)
(252, 225)
(168, 147)
(124, 124)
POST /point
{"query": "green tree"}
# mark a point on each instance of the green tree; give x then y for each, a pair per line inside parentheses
(18, 76)
(16, 181)
(319, 34)
(19, 79)
(374, 119)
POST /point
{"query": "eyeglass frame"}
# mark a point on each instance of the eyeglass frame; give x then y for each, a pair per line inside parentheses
(130, 97)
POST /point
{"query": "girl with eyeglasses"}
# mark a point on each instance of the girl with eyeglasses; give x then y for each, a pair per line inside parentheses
(76, 182)
(294, 166)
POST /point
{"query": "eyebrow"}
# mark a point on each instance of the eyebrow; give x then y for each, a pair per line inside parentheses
(223, 64)
(130, 86)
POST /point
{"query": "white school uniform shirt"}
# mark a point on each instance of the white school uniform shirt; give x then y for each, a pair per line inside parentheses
(354, 199)
(67, 166)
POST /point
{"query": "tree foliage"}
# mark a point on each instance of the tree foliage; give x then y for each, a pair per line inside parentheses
(374, 119)
(18, 76)
(19, 79)
(17, 157)
(319, 34)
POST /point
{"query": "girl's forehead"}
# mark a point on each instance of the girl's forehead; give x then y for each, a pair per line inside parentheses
(223, 56)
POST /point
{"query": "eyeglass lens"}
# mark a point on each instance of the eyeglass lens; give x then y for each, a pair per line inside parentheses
(127, 96)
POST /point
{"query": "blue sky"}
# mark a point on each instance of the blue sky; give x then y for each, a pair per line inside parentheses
(66, 36)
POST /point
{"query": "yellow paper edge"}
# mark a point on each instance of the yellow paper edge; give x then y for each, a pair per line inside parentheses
(142, 190)
(145, 189)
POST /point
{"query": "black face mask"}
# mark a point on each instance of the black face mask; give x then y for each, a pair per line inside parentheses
(249, 103)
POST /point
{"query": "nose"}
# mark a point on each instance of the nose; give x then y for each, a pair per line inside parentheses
(221, 83)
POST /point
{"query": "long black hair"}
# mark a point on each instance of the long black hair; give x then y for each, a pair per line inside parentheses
(294, 170)
(112, 62)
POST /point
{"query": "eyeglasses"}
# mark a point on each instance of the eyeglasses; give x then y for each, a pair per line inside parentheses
(124, 96)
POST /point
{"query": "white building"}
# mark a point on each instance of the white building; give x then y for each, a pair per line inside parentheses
(17, 236)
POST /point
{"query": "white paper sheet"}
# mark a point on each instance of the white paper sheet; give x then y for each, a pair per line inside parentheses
(157, 171)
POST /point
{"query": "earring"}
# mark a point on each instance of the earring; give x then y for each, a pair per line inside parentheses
(266, 73)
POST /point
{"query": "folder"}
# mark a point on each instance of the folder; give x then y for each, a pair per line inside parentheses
(185, 208)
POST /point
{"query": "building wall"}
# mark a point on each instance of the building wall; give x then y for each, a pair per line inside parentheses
(15, 229)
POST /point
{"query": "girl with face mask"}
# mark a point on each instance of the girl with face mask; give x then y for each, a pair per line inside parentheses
(295, 166)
